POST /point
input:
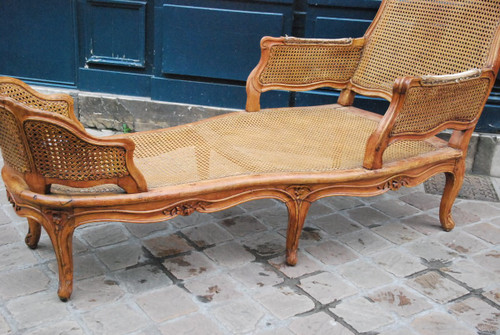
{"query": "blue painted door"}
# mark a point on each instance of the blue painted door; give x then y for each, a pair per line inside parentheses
(187, 51)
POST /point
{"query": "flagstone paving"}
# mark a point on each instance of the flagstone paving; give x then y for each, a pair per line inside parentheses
(366, 266)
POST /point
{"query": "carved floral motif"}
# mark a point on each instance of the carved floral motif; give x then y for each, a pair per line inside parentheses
(394, 184)
(186, 209)
(58, 218)
(299, 192)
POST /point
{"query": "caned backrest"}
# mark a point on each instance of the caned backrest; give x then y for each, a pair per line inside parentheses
(427, 37)
(17, 90)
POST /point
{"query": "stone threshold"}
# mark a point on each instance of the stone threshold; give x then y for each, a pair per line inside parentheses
(118, 113)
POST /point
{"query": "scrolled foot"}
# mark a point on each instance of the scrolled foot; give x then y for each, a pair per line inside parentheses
(447, 223)
(65, 290)
(30, 241)
(451, 189)
(33, 235)
(291, 257)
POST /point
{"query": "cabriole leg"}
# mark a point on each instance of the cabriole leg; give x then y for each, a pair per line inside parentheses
(60, 232)
(451, 189)
(297, 212)
(33, 235)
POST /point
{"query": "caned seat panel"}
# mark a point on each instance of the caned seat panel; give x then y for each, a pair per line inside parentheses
(427, 37)
(305, 139)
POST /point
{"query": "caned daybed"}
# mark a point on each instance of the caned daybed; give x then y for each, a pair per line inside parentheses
(435, 61)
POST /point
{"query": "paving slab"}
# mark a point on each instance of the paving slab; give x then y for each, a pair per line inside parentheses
(477, 313)
(217, 288)
(167, 245)
(190, 265)
(121, 256)
(471, 274)
(86, 297)
(167, 303)
(485, 231)
(207, 234)
(37, 309)
(283, 302)
(400, 300)
(255, 275)
(397, 233)
(463, 243)
(399, 262)
(318, 324)
(305, 265)
(66, 327)
(364, 274)
(362, 315)
(336, 224)
(4, 326)
(332, 253)
(327, 287)
(22, 282)
(438, 288)
(365, 242)
(230, 255)
(438, 323)
(142, 278)
(116, 319)
(14, 255)
(191, 324)
(106, 234)
(239, 316)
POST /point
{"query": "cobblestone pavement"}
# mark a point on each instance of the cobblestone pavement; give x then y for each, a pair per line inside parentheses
(378, 265)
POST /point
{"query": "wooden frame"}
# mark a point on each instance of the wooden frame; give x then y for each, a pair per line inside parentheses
(61, 214)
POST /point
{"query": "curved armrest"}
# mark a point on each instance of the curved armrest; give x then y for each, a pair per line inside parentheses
(300, 64)
(423, 106)
(58, 152)
(61, 104)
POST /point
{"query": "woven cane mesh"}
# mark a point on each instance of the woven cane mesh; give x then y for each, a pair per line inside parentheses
(305, 139)
(298, 64)
(12, 146)
(424, 37)
(21, 95)
(60, 154)
(427, 107)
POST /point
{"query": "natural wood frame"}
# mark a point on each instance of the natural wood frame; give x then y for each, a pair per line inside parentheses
(60, 215)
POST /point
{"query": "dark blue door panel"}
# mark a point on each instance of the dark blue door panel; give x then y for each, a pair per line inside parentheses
(212, 94)
(208, 48)
(213, 42)
(107, 81)
(116, 33)
(38, 40)
(339, 27)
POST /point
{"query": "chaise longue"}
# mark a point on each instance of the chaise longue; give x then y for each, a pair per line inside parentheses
(435, 61)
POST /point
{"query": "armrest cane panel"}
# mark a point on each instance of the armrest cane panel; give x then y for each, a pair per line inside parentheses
(308, 61)
(60, 154)
(428, 106)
